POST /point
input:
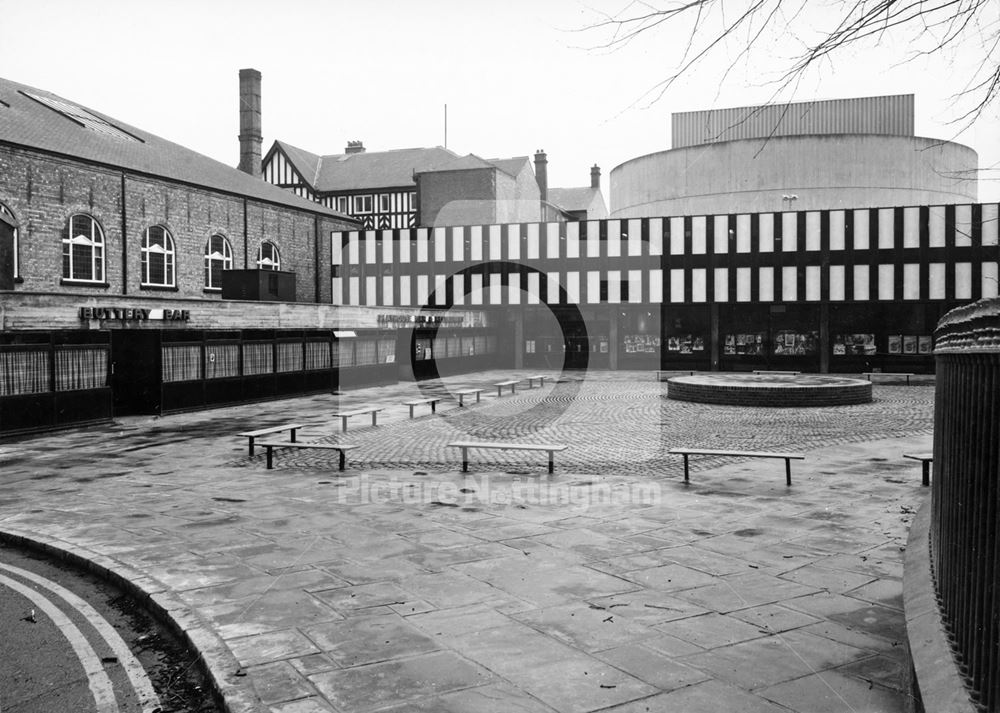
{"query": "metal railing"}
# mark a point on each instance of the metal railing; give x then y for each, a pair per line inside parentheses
(965, 527)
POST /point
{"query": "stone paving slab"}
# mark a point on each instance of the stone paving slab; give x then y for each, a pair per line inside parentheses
(404, 585)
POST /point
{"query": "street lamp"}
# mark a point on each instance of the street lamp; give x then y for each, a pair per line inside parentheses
(790, 198)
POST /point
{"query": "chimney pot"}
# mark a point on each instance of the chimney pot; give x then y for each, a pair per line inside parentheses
(354, 147)
(595, 176)
(251, 136)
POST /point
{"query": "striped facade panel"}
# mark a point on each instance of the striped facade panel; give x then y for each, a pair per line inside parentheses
(887, 115)
(883, 255)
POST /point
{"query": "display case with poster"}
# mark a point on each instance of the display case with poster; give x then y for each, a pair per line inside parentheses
(925, 344)
(685, 343)
(641, 343)
(747, 344)
(853, 344)
(895, 344)
(910, 344)
(791, 343)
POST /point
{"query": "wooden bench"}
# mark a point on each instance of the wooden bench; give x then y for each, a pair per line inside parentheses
(270, 446)
(293, 427)
(777, 372)
(551, 448)
(925, 460)
(541, 380)
(512, 384)
(869, 374)
(743, 454)
(344, 415)
(417, 402)
(468, 392)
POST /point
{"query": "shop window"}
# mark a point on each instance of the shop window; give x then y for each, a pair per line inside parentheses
(364, 352)
(83, 250)
(258, 358)
(157, 257)
(268, 257)
(181, 362)
(222, 360)
(23, 371)
(218, 257)
(387, 350)
(80, 368)
(317, 356)
(289, 356)
(4, 210)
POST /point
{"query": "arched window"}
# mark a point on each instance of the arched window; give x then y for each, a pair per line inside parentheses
(7, 212)
(83, 250)
(267, 257)
(218, 257)
(157, 257)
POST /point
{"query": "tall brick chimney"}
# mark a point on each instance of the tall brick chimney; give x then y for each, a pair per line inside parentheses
(251, 137)
(595, 176)
(542, 174)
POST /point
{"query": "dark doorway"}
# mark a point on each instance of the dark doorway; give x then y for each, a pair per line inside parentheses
(135, 371)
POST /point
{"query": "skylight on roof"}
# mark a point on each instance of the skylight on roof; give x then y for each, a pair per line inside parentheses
(82, 116)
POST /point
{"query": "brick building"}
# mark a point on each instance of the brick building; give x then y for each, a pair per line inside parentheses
(116, 251)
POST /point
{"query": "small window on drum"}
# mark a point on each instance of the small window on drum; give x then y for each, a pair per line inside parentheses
(218, 257)
(267, 257)
(157, 257)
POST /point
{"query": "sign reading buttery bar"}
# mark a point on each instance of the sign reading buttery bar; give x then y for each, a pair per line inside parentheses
(137, 314)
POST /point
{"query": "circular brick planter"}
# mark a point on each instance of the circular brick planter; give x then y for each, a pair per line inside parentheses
(769, 390)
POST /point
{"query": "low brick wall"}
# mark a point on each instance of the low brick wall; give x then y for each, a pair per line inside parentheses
(727, 390)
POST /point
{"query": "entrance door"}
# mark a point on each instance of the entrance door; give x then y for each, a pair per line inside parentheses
(135, 371)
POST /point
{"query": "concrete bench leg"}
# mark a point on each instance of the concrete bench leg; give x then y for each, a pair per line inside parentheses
(343, 423)
(343, 460)
(374, 418)
(460, 404)
(465, 460)
(270, 463)
(251, 446)
(433, 406)
(685, 467)
(499, 391)
(788, 471)
(293, 435)
(926, 473)
(478, 394)
(411, 410)
(552, 461)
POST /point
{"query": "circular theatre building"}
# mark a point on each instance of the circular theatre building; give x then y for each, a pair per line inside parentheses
(819, 155)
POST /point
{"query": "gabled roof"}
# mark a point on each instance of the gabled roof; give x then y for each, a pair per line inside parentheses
(376, 169)
(305, 164)
(37, 119)
(572, 198)
(466, 162)
(512, 166)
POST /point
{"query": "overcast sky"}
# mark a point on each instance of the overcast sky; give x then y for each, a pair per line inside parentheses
(517, 76)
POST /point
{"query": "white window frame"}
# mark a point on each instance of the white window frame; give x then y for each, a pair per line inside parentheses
(213, 257)
(95, 242)
(7, 212)
(168, 276)
(268, 262)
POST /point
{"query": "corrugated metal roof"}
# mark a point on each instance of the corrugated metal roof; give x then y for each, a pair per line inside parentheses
(886, 115)
(38, 125)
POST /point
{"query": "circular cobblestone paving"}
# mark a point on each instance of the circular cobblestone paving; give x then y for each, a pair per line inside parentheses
(769, 389)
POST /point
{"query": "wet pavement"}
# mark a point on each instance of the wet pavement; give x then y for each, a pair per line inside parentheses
(404, 585)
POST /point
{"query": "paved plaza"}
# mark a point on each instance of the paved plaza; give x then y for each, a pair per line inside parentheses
(404, 585)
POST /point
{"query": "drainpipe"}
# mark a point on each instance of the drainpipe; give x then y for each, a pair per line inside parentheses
(245, 236)
(124, 241)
